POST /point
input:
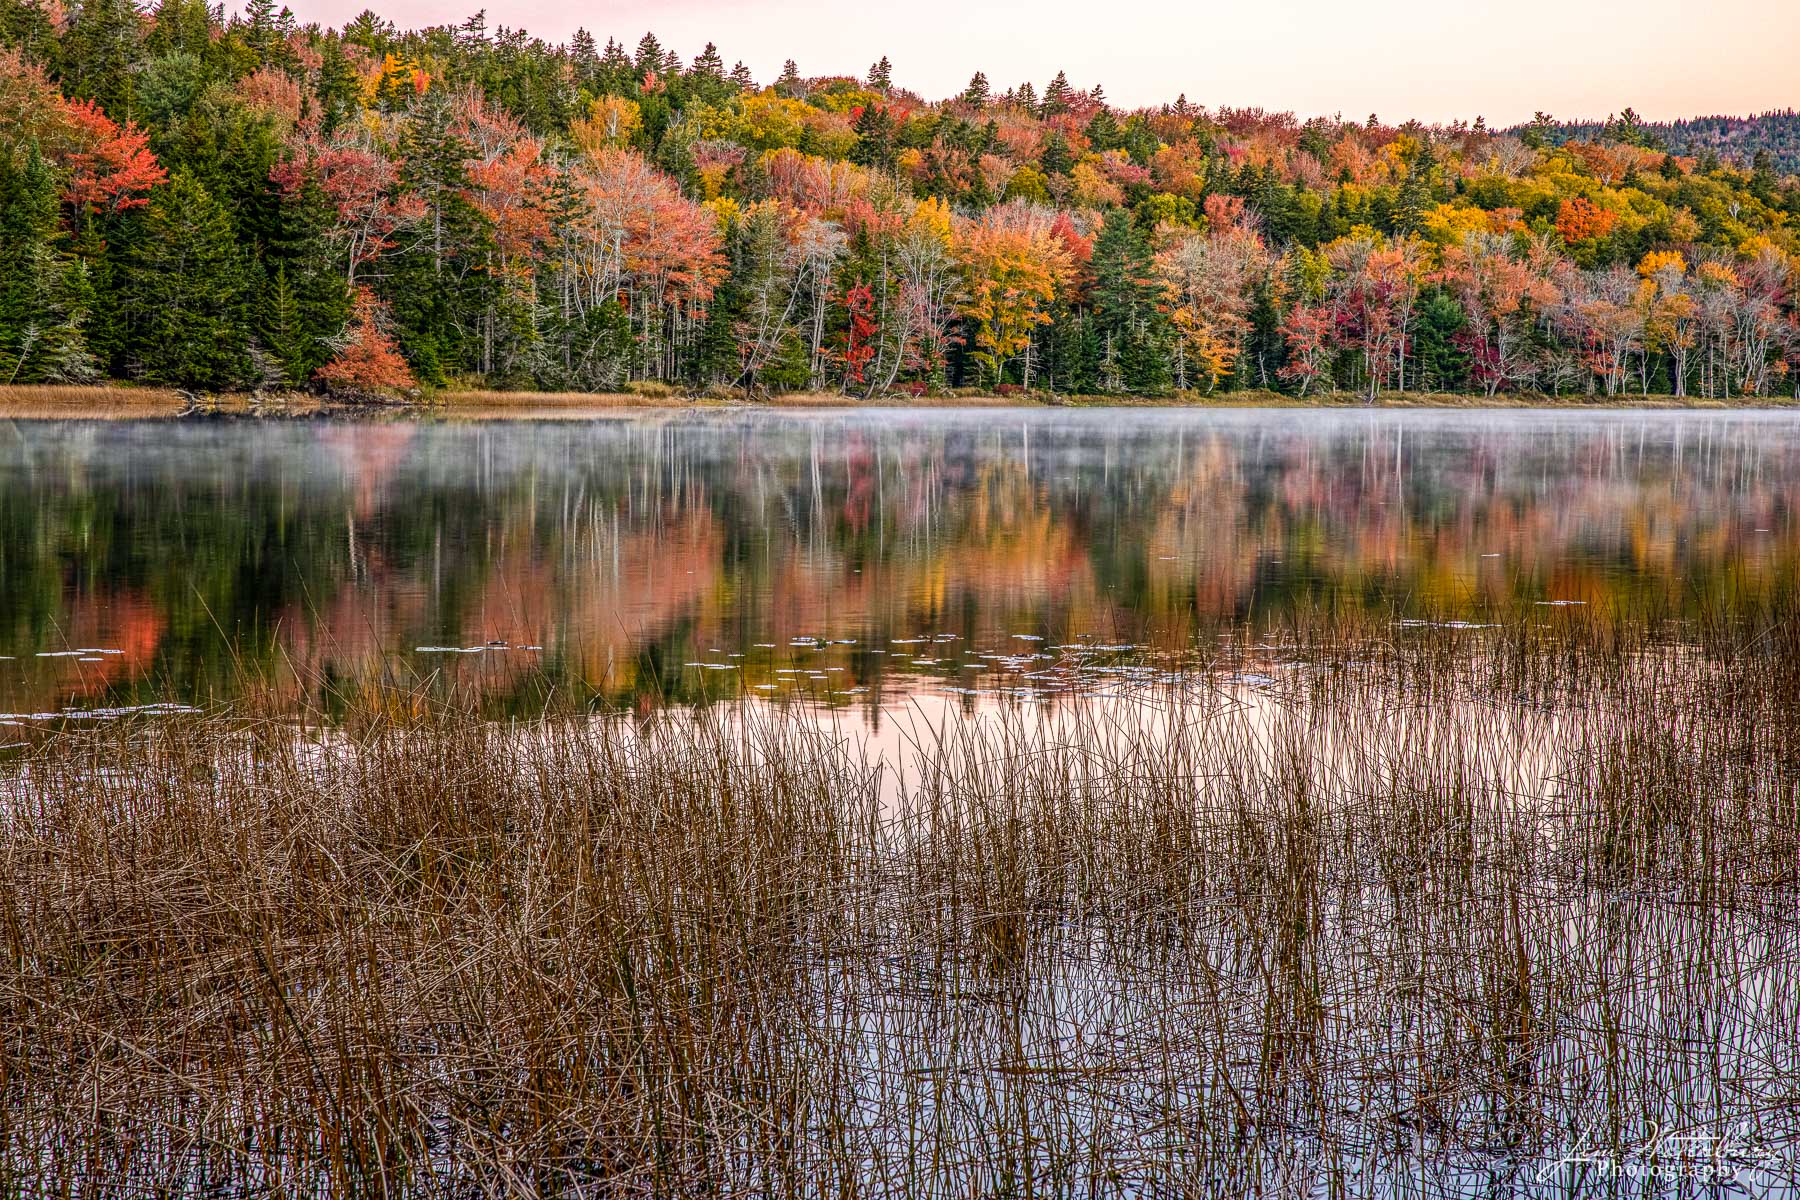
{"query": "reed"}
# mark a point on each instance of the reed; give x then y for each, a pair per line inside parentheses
(1437, 905)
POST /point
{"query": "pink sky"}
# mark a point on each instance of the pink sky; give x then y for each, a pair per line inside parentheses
(1435, 60)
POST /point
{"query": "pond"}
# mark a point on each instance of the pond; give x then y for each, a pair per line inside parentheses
(1463, 865)
(849, 555)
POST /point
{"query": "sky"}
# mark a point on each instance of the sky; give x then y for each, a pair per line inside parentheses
(1436, 60)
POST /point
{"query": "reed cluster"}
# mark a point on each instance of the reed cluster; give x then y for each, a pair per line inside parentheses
(1498, 911)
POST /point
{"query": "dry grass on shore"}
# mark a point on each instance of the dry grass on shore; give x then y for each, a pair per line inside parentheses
(35, 402)
(128, 403)
(1467, 903)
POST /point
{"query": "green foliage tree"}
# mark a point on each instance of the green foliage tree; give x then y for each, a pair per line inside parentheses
(44, 292)
(1416, 198)
(184, 291)
(881, 76)
(874, 138)
(1128, 320)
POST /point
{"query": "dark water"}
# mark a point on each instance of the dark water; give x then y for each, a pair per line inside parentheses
(603, 557)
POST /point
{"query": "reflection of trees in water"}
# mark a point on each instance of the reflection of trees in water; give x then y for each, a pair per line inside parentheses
(333, 546)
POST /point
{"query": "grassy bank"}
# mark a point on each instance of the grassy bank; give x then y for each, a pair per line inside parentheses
(1444, 902)
(129, 403)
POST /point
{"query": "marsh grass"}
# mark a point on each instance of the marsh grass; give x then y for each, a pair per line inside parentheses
(125, 402)
(1431, 914)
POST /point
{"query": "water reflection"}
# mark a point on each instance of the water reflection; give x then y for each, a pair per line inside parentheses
(677, 555)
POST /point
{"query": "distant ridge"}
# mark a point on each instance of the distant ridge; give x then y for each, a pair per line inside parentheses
(1734, 139)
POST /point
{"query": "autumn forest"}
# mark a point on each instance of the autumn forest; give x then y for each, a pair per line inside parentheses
(251, 203)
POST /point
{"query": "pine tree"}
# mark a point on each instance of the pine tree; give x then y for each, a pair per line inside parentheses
(45, 294)
(297, 258)
(708, 66)
(338, 89)
(741, 77)
(1416, 200)
(977, 93)
(1132, 330)
(63, 354)
(649, 56)
(1058, 96)
(881, 76)
(100, 51)
(472, 35)
(259, 28)
(1054, 155)
(27, 27)
(584, 58)
(280, 329)
(1139, 140)
(184, 290)
(1103, 131)
(28, 212)
(614, 76)
(1443, 363)
(789, 82)
(874, 138)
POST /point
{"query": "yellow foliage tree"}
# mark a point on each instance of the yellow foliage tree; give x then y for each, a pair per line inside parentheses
(1012, 264)
(611, 124)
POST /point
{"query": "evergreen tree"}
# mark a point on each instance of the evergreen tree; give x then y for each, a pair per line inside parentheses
(282, 330)
(976, 94)
(439, 287)
(1416, 198)
(45, 295)
(741, 77)
(28, 214)
(614, 76)
(1103, 131)
(789, 82)
(708, 65)
(1139, 140)
(184, 291)
(1054, 156)
(1058, 96)
(881, 76)
(26, 27)
(1132, 330)
(1443, 364)
(472, 34)
(99, 52)
(260, 32)
(1762, 177)
(1071, 351)
(874, 138)
(584, 59)
(649, 57)
(338, 88)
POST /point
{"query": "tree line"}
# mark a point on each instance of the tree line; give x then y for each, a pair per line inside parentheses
(251, 203)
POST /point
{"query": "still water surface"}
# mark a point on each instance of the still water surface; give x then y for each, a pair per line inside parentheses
(845, 555)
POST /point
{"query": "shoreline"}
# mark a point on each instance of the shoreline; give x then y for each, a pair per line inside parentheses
(126, 403)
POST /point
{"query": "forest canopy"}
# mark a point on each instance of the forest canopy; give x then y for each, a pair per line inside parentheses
(222, 203)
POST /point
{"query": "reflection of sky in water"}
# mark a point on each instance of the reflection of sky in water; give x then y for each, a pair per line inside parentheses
(808, 552)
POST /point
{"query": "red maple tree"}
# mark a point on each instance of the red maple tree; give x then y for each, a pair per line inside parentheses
(367, 363)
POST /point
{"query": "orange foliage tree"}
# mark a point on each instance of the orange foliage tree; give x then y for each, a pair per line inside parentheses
(367, 362)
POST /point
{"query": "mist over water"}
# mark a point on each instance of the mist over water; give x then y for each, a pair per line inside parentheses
(848, 556)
